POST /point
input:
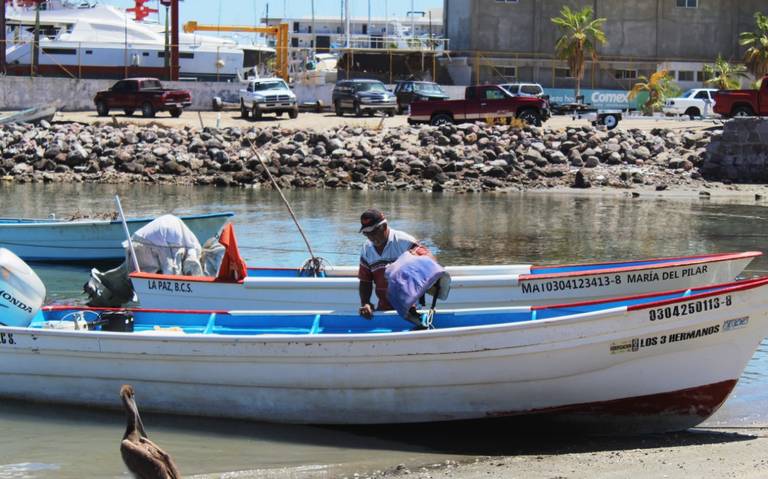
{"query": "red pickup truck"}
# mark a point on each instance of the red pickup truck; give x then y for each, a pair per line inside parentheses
(481, 102)
(730, 103)
(145, 94)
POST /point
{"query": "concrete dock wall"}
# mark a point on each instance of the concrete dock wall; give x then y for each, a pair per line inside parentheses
(18, 93)
(740, 154)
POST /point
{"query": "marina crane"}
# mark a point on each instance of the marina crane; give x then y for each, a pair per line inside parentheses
(280, 32)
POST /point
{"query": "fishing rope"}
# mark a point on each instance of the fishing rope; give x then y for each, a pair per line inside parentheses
(316, 263)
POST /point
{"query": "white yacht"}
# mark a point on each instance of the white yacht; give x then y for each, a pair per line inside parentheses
(93, 40)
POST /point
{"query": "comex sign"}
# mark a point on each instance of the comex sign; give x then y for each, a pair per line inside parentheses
(604, 99)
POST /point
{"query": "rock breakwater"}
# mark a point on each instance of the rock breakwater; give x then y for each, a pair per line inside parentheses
(461, 158)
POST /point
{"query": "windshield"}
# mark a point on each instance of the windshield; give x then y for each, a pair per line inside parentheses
(371, 86)
(687, 94)
(270, 85)
(428, 88)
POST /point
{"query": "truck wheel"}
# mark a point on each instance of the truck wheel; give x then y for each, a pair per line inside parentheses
(176, 112)
(692, 112)
(293, 114)
(742, 111)
(531, 117)
(337, 108)
(441, 119)
(102, 109)
(147, 110)
(256, 112)
(217, 104)
(129, 111)
(358, 110)
(610, 121)
(243, 111)
(390, 112)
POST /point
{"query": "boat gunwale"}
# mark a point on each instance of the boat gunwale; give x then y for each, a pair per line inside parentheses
(723, 288)
(45, 222)
(520, 277)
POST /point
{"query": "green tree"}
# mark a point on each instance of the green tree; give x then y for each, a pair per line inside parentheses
(580, 33)
(724, 75)
(658, 86)
(756, 56)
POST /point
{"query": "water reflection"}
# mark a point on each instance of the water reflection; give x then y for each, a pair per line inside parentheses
(47, 441)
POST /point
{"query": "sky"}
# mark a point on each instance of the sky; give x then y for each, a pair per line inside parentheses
(239, 12)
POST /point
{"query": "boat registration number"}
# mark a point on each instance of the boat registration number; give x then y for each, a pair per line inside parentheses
(172, 286)
(686, 309)
(7, 338)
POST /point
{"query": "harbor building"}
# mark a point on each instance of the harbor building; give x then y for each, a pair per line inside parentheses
(324, 33)
(514, 40)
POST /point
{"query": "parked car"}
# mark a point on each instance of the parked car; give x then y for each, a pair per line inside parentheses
(145, 94)
(730, 103)
(694, 103)
(408, 91)
(524, 89)
(360, 96)
(267, 95)
(481, 102)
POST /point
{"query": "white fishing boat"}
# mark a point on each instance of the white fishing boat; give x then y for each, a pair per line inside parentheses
(87, 239)
(472, 286)
(657, 362)
(31, 115)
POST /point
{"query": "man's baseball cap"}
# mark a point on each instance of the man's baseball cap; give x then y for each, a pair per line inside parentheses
(371, 219)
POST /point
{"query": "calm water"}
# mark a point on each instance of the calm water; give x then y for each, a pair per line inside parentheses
(55, 442)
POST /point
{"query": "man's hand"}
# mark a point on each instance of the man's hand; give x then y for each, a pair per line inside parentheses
(366, 311)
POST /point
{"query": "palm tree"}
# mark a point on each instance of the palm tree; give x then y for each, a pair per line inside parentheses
(580, 35)
(659, 87)
(756, 56)
(724, 75)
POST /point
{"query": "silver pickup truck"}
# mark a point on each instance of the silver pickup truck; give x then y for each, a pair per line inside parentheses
(267, 95)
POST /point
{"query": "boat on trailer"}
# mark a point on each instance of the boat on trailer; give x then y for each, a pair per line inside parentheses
(87, 239)
(472, 286)
(653, 362)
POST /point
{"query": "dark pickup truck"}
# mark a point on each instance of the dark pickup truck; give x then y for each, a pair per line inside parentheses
(730, 103)
(145, 94)
(481, 103)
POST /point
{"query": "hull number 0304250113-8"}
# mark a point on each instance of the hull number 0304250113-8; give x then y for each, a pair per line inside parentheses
(171, 286)
(709, 304)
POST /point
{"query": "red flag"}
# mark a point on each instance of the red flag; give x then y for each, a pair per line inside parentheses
(232, 267)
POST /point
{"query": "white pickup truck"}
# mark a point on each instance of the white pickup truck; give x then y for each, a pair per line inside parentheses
(697, 102)
(267, 95)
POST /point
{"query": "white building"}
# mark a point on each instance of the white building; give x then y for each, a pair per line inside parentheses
(326, 33)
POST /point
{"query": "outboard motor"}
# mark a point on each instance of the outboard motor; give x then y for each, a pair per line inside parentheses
(21, 291)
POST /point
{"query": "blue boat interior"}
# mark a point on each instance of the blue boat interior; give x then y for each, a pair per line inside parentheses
(253, 323)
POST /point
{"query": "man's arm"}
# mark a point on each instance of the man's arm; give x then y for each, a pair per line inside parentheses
(365, 289)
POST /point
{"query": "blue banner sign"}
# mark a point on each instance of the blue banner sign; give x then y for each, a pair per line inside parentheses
(602, 99)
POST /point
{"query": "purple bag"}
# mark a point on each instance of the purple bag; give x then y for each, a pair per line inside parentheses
(409, 278)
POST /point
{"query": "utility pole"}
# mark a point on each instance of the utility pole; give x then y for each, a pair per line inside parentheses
(167, 49)
(36, 41)
(3, 44)
(314, 34)
(386, 21)
(348, 23)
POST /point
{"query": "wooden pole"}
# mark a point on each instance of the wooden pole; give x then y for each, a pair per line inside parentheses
(3, 45)
(175, 40)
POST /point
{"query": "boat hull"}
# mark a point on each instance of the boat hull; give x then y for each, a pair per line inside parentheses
(664, 367)
(86, 240)
(469, 288)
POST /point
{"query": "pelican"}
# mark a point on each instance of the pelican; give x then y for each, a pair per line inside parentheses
(143, 457)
